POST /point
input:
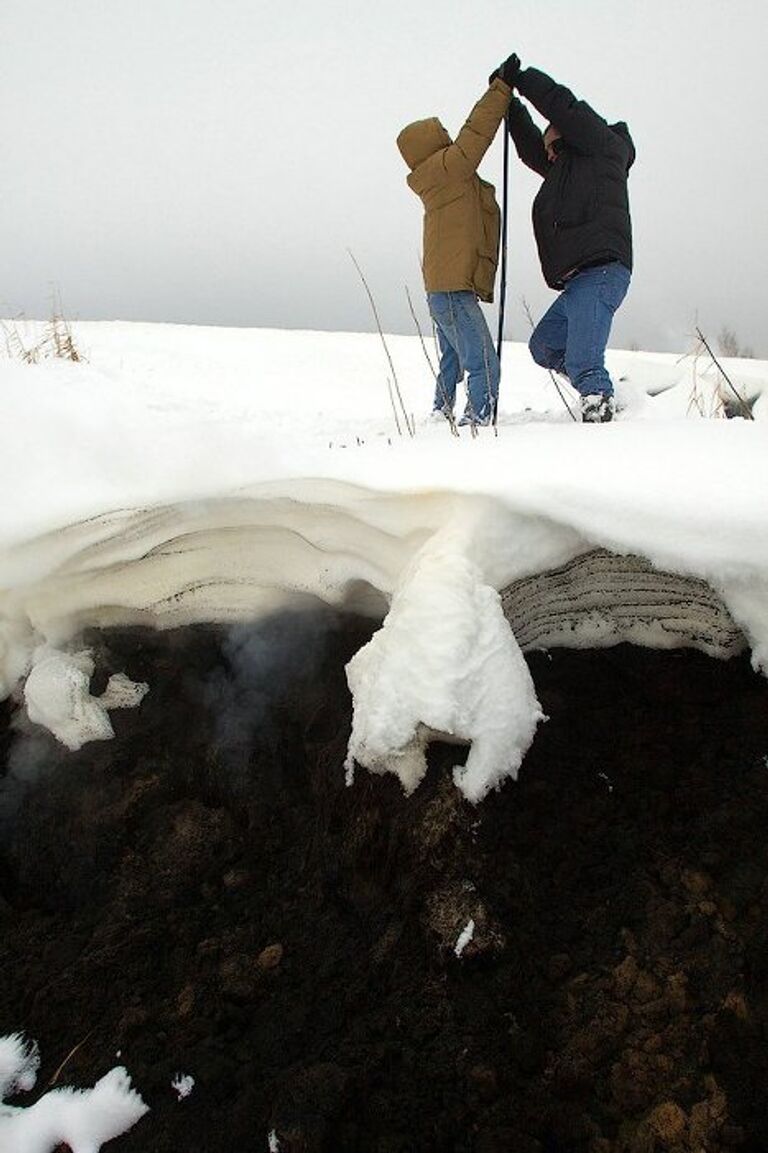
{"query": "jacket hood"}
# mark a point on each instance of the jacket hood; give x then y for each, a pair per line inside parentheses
(421, 139)
(621, 130)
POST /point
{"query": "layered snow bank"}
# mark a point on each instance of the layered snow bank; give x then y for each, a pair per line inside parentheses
(207, 475)
(447, 659)
(601, 599)
(84, 1120)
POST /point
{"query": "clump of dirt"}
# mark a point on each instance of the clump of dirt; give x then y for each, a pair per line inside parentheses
(204, 895)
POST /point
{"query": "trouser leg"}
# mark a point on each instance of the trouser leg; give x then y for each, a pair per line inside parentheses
(480, 359)
(449, 375)
(451, 370)
(482, 363)
(591, 299)
(462, 327)
(550, 336)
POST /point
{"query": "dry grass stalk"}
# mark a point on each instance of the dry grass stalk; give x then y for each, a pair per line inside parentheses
(394, 407)
(411, 428)
(744, 407)
(571, 413)
(68, 1058)
(448, 413)
(15, 347)
(703, 399)
(57, 341)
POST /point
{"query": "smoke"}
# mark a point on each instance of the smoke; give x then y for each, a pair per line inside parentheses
(33, 756)
(264, 693)
(268, 682)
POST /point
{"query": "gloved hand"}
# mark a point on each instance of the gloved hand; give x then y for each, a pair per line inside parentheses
(508, 71)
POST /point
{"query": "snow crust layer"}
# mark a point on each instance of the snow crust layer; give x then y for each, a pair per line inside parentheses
(601, 599)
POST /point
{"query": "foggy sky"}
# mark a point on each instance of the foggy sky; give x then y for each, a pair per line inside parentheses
(212, 161)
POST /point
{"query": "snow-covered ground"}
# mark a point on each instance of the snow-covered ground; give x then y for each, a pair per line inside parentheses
(184, 474)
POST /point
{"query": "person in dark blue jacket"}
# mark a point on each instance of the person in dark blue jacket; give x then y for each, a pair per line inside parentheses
(582, 227)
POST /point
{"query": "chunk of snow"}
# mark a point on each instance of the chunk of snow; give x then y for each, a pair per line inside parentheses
(466, 935)
(19, 1063)
(183, 1084)
(273, 1143)
(444, 662)
(57, 696)
(81, 1119)
(746, 596)
(123, 693)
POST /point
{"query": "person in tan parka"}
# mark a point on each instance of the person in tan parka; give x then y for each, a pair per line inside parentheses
(461, 245)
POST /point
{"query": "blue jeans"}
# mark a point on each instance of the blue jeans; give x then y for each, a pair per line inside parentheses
(571, 335)
(465, 346)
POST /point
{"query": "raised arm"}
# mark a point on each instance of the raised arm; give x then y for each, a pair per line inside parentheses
(527, 139)
(579, 124)
(462, 158)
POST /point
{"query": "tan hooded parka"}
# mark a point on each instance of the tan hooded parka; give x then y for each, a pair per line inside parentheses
(462, 222)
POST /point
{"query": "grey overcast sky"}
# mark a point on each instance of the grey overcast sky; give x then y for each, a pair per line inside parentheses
(212, 161)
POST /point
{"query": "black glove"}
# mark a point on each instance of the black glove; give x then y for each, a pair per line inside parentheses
(508, 71)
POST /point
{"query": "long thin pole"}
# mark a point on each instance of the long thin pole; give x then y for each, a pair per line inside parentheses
(503, 277)
(503, 280)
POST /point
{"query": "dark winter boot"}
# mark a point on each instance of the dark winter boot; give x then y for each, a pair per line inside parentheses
(597, 408)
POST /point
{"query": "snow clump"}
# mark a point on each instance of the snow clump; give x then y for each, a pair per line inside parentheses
(83, 1119)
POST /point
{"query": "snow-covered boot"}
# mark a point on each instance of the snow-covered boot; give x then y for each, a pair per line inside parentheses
(597, 408)
(440, 415)
(470, 418)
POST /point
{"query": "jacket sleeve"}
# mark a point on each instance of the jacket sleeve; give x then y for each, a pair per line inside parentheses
(462, 158)
(579, 124)
(527, 139)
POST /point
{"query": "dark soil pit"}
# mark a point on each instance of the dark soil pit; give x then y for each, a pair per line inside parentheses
(204, 895)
